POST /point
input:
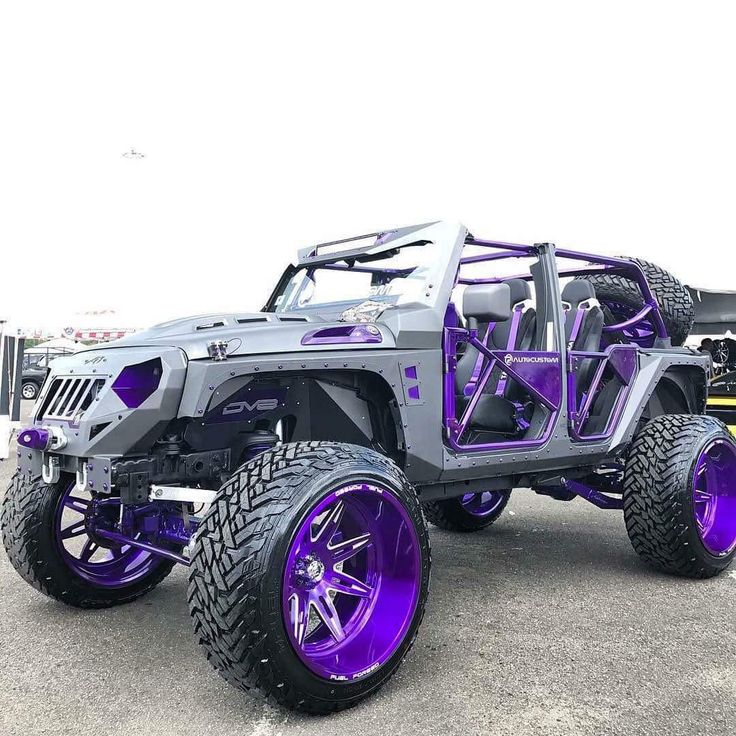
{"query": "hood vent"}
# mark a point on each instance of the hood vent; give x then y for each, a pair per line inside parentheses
(210, 325)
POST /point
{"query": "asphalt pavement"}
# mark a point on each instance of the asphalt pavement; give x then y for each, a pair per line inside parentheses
(547, 623)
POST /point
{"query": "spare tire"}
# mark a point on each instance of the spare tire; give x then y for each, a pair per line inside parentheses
(621, 299)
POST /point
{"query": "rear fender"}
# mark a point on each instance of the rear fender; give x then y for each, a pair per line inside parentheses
(668, 382)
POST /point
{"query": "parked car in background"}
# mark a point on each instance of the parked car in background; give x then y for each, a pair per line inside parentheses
(36, 361)
(715, 327)
(34, 374)
(713, 332)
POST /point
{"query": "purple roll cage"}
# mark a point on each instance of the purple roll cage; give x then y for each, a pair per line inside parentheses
(539, 372)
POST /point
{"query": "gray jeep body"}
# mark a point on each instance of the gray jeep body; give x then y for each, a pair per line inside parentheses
(385, 392)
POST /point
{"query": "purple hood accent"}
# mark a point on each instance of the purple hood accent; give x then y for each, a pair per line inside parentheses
(344, 334)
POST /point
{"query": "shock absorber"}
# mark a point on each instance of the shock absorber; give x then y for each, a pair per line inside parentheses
(258, 442)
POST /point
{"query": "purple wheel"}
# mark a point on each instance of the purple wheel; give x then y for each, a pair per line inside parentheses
(468, 513)
(100, 563)
(714, 497)
(485, 503)
(680, 495)
(351, 582)
(642, 333)
(310, 574)
(48, 533)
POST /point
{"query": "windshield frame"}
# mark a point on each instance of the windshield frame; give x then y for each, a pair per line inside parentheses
(360, 260)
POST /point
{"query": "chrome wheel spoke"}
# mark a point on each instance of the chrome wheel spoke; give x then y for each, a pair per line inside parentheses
(349, 548)
(88, 550)
(77, 504)
(327, 613)
(341, 582)
(74, 530)
(299, 615)
(476, 502)
(329, 524)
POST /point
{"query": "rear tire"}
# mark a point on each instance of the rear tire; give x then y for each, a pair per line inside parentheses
(623, 299)
(464, 514)
(680, 495)
(275, 609)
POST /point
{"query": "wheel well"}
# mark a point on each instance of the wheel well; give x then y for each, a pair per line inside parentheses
(681, 390)
(358, 407)
(355, 407)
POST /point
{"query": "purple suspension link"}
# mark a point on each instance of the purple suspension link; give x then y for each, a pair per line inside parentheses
(149, 526)
(601, 500)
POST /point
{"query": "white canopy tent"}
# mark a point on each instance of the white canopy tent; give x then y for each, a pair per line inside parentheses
(59, 344)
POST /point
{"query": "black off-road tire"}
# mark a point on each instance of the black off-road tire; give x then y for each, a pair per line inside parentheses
(658, 494)
(27, 524)
(235, 579)
(450, 515)
(674, 300)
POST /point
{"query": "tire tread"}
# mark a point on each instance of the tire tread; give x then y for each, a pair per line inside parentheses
(657, 482)
(230, 558)
(26, 538)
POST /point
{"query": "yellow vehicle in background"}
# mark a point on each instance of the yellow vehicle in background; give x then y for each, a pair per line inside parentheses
(722, 399)
(714, 332)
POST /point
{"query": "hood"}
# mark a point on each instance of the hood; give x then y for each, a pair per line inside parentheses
(257, 333)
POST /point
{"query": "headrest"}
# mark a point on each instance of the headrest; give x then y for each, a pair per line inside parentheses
(578, 290)
(520, 290)
(487, 302)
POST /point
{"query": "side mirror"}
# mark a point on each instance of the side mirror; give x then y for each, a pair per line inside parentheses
(487, 303)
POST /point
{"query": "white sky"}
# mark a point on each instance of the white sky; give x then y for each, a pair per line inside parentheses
(269, 126)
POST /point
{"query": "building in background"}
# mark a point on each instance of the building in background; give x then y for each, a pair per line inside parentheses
(84, 327)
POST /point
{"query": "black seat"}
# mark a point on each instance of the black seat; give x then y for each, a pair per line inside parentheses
(497, 413)
(583, 327)
(499, 338)
(494, 414)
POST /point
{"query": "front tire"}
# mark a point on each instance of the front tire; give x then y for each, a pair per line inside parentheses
(680, 495)
(469, 513)
(45, 531)
(309, 575)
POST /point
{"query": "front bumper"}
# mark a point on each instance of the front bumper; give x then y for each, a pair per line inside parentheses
(89, 412)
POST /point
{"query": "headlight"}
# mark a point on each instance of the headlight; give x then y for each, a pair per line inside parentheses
(137, 382)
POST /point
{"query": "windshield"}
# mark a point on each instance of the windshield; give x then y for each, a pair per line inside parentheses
(390, 278)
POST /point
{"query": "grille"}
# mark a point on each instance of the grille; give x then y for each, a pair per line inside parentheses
(69, 397)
